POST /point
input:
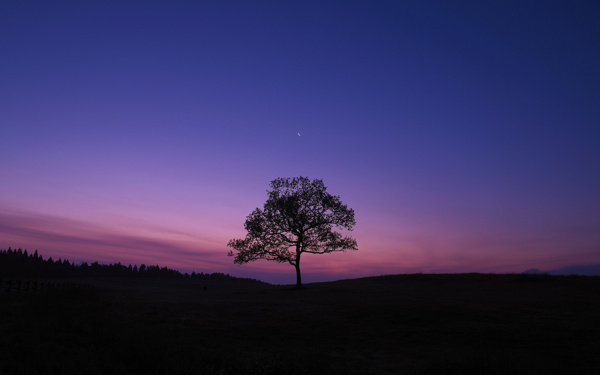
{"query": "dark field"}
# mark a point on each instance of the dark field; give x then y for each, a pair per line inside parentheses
(405, 324)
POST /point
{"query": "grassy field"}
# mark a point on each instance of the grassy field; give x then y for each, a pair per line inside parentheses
(404, 324)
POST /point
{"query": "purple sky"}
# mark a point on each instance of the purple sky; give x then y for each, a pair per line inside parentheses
(466, 136)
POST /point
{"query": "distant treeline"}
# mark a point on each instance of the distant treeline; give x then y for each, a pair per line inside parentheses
(20, 263)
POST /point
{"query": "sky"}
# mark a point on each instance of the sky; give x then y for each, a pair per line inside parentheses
(465, 135)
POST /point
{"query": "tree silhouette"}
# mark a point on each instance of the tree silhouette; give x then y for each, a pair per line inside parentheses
(298, 217)
(19, 264)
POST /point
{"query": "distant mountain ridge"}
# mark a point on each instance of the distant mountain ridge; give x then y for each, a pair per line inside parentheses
(582, 270)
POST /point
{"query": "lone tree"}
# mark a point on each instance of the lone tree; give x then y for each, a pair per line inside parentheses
(297, 218)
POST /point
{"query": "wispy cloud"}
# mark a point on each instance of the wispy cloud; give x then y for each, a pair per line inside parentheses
(135, 242)
(84, 241)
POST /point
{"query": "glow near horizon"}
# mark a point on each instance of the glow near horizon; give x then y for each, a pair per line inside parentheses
(470, 146)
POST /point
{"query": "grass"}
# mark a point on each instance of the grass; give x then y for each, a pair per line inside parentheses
(412, 324)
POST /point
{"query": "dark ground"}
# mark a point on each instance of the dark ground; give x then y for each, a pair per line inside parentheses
(405, 324)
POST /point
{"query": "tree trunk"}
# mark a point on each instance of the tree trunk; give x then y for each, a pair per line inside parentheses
(297, 263)
(298, 276)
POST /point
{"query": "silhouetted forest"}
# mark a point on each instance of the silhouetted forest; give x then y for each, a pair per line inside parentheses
(20, 263)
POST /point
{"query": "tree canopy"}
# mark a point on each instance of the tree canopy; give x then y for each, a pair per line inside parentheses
(298, 217)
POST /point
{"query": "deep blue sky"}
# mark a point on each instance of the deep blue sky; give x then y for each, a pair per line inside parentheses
(465, 135)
